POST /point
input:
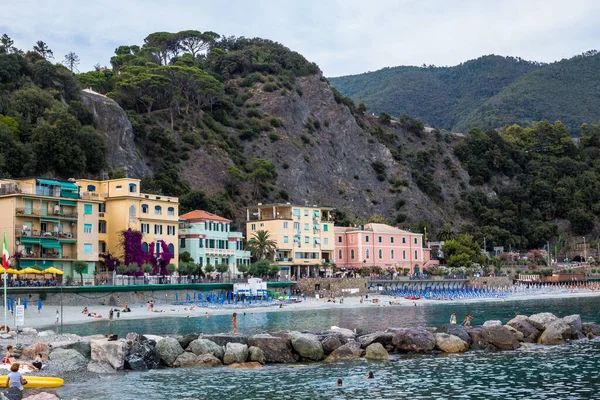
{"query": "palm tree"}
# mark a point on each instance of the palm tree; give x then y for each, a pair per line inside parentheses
(446, 232)
(261, 246)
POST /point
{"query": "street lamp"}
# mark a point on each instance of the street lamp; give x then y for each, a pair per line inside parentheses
(584, 251)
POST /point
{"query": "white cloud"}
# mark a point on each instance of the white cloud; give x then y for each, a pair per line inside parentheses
(342, 36)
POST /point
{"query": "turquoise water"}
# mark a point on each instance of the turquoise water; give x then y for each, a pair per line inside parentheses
(372, 319)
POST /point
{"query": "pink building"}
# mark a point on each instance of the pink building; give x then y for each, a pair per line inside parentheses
(380, 245)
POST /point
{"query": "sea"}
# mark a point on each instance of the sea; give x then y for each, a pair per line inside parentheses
(570, 371)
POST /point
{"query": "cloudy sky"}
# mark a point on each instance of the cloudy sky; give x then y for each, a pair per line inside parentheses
(342, 36)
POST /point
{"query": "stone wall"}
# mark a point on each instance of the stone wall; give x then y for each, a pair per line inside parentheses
(490, 281)
(333, 286)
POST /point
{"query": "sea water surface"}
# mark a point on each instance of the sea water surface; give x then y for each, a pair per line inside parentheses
(571, 371)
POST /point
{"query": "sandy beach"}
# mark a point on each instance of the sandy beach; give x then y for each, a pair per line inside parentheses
(73, 314)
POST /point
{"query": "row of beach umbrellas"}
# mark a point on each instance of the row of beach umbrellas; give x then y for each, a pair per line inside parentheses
(30, 270)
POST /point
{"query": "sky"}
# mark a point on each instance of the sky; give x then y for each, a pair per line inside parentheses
(343, 37)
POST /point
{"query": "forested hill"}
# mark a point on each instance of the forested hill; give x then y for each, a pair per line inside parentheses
(488, 92)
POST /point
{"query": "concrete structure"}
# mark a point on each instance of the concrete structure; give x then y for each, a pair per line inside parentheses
(254, 287)
(48, 225)
(380, 245)
(121, 206)
(326, 287)
(209, 240)
(304, 236)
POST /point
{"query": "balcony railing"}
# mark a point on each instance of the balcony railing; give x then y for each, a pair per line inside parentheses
(220, 251)
(39, 213)
(35, 233)
(48, 256)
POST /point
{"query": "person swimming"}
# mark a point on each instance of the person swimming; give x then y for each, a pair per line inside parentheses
(370, 375)
(339, 382)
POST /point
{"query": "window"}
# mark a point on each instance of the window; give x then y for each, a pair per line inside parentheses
(416, 241)
(404, 254)
(367, 238)
(158, 229)
(87, 209)
(391, 239)
(306, 239)
(285, 239)
(380, 239)
(285, 225)
(157, 210)
(101, 207)
(145, 228)
(404, 240)
(416, 255)
(144, 208)
(201, 242)
(132, 211)
(102, 246)
(367, 253)
(325, 228)
(171, 248)
(339, 239)
(306, 227)
(87, 248)
(253, 227)
(352, 254)
(380, 254)
(145, 247)
(339, 254)
(91, 188)
(325, 240)
(102, 227)
(170, 230)
(87, 228)
(119, 187)
(392, 254)
(297, 226)
(182, 243)
(306, 213)
(132, 188)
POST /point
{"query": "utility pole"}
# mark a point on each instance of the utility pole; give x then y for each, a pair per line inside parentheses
(584, 251)
(548, 244)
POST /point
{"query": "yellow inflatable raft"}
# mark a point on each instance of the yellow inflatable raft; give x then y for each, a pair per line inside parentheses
(37, 382)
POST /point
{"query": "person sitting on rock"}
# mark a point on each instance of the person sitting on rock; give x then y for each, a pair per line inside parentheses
(15, 378)
(37, 362)
(85, 310)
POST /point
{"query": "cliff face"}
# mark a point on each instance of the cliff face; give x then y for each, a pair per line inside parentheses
(112, 122)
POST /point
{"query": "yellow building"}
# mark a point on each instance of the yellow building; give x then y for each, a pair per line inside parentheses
(122, 206)
(48, 225)
(304, 236)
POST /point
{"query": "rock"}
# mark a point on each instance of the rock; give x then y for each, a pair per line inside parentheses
(500, 337)
(349, 351)
(287, 335)
(83, 347)
(146, 350)
(347, 333)
(415, 340)
(46, 333)
(68, 359)
(385, 338)
(376, 351)
(13, 394)
(556, 333)
(184, 341)
(42, 396)
(325, 334)
(276, 349)
(530, 333)
(30, 352)
(208, 360)
(246, 365)
(517, 334)
(29, 331)
(112, 352)
(235, 353)
(478, 342)
(517, 318)
(132, 337)
(154, 338)
(590, 329)
(456, 330)
(492, 322)
(168, 350)
(135, 362)
(6, 336)
(542, 320)
(101, 368)
(575, 323)
(205, 346)
(255, 354)
(450, 343)
(223, 338)
(307, 346)
(330, 343)
(186, 359)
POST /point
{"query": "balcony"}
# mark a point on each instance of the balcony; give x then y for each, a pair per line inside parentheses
(224, 252)
(35, 233)
(48, 256)
(20, 211)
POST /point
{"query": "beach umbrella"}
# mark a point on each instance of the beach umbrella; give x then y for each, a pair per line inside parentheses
(30, 270)
(53, 270)
(13, 271)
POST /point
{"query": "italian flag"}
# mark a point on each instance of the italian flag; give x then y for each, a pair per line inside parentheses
(5, 255)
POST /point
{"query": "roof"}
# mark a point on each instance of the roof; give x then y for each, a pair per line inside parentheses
(201, 214)
(260, 205)
(376, 228)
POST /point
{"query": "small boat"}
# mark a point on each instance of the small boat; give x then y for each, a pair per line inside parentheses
(38, 382)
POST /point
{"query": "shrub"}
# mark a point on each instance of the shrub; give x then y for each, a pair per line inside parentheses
(285, 165)
(275, 122)
(283, 195)
(273, 137)
(305, 139)
(253, 113)
(400, 218)
(269, 87)
(307, 158)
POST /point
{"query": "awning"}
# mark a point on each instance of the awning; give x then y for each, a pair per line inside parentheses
(48, 182)
(27, 240)
(317, 241)
(44, 219)
(69, 186)
(68, 203)
(316, 226)
(49, 242)
(316, 213)
(54, 245)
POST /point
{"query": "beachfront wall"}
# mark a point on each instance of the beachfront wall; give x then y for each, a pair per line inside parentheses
(304, 236)
(490, 281)
(209, 240)
(336, 287)
(379, 245)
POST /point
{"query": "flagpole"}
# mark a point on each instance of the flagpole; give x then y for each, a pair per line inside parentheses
(5, 302)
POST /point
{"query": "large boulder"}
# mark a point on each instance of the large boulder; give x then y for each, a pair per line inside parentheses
(542, 320)
(112, 353)
(135, 362)
(456, 330)
(492, 322)
(575, 323)
(415, 340)
(276, 349)
(307, 346)
(500, 337)
(478, 342)
(256, 355)
(330, 343)
(322, 335)
(450, 343)
(82, 346)
(590, 329)
(245, 365)
(42, 396)
(186, 359)
(556, 333)
(185, 340)
(68, 360)
(146, 350)
(349, 351)
(223, 338)
(376, 351)
(385, 338)
(347, 333)
(101, 368)
(208, 360)
(205, 346)
(530, 333)
(517, 334)
(235, 353)
(13, 393)
(168, 350)
(31, 351)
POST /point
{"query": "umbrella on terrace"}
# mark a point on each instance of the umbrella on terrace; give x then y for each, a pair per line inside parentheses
(53, 270)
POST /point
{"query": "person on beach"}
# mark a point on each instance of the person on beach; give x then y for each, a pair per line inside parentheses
(39, 305)
(85, 310)
(234, 323)
(370, 375)
(8, 358)
(118, 301)
(110, 314)
(467, 321)
(339, 382)
(38, 362)
(206, 315)
(453, 318)
(57, 317)
(118, 314)
(15, 378)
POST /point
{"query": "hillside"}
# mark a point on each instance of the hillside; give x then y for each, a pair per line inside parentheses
(491, 91)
